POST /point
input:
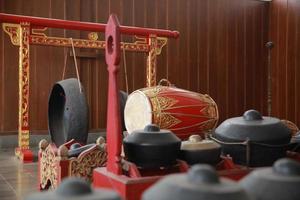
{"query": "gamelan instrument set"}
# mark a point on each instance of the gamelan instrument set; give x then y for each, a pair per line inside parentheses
(162, 142)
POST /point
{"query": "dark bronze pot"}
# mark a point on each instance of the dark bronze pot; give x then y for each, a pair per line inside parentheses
(152, 147)
(253, 140)
(200, 183)
(67, 113)
(195, 151)
(280, 182)
(77, 149)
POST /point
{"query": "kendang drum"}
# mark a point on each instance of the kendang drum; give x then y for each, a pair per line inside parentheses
(183, 112)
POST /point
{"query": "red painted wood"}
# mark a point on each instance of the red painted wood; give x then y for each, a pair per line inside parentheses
(87, 26)
(128, 188)
(112, 58)
(26, 155)
(130, 185)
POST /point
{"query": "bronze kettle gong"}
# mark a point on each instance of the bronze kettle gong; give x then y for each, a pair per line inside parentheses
(253, 140)
(280, 182)
(152, 147)
(200, 183)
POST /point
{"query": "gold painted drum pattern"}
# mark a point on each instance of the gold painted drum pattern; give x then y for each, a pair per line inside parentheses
(181, 111)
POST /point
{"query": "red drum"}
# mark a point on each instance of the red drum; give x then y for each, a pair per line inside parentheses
(181, 111)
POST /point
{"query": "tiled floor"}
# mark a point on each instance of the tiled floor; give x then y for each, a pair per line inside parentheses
(16, 179)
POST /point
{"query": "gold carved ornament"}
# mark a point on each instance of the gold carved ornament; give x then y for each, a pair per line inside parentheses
(87, 161)
(24, 86)
(155, 46)
(38, 37)
(19, 36)
(48, 168)
(13, 31)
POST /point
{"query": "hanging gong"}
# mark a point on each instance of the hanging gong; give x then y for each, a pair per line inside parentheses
(68, 112)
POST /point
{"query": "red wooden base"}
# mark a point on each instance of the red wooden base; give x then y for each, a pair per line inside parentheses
(25, 155)
(235, 174)
(132, 185)
(128, 188)
(226, 168)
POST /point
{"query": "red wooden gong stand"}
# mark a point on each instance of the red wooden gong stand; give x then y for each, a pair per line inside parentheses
(120, 174)
(25, 31)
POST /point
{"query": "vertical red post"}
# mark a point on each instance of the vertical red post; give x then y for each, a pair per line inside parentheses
(112, 58)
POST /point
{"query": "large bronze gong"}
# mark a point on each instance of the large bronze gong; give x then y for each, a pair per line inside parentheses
(68, 112)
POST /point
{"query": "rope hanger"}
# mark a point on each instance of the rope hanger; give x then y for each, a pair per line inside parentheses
(77, 71)
(75, 63)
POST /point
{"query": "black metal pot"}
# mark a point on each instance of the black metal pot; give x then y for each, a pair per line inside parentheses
(67, 112)
(75, 149)
(253, 140)
(195, 151)
(281, 182)
(152, 147)
(200, 183)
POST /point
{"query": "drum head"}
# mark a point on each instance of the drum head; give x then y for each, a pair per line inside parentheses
(138, 111)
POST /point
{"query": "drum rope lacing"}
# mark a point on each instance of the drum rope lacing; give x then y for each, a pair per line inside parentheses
(75, 63)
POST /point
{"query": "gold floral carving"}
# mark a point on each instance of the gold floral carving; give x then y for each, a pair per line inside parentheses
(151, 63)
(161, 105)
(48, 168)
(155, 44)
(39, 38)
(83, 165)
(161, 42)
(66, 42)
(167, 121)
(165, 103)
(93, 36)
(13, 30)
(24, 86)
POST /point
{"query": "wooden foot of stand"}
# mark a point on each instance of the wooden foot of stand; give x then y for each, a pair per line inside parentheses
(227, 168)
(25, 155)
(132, 185)
(128, 188)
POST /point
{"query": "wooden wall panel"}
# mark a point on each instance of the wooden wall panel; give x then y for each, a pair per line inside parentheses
(284, 32)
(220, 52)
(1, 72)
(9, 84)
